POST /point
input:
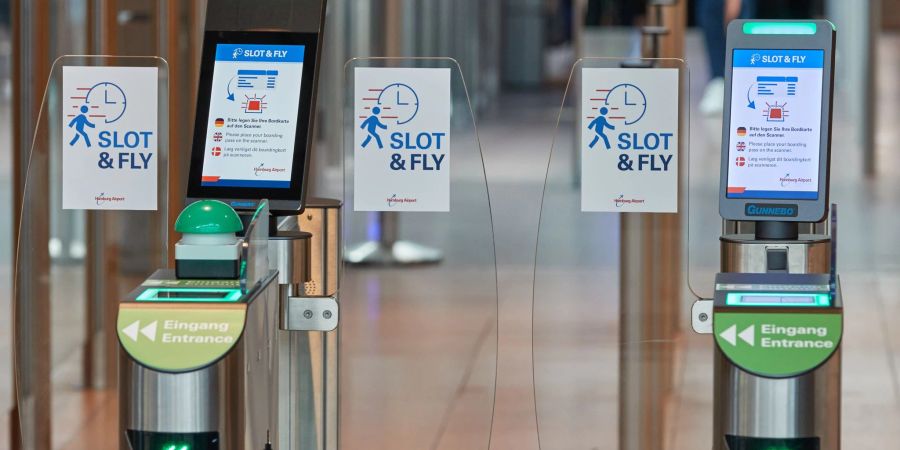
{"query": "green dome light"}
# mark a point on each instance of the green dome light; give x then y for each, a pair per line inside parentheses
(208, 217)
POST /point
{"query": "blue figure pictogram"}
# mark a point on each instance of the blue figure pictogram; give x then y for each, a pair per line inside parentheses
(79, 123)
(599, 124)
(371, 125)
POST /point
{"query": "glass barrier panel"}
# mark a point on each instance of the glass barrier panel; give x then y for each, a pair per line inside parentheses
(418, 340)
(255, 248)
(92, 223)
(611, 299)
(704, 225)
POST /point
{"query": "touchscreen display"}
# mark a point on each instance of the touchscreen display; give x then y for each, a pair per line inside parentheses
(253, 113)
(775, 130)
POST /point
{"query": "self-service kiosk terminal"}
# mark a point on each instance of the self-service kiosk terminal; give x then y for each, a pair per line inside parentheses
(235, 348)
(777, 314)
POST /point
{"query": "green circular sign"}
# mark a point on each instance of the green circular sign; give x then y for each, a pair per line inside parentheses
(179, 339)
(778, 345)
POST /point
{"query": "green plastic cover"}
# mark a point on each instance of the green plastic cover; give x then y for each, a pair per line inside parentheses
(208, 217)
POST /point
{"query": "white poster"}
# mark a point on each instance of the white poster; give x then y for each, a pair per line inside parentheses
(109, 138)
(401, 139)
(629, 140)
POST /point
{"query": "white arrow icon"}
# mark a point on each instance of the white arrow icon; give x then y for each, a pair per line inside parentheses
(132, 330)
(747, 336)
(150, 331)
(730, 335)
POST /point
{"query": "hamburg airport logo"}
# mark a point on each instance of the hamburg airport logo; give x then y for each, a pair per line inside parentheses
(103, 102)
(395, 200)
(262, 169)
(621, 201)
(396, 103)
(622, 104)
(104, 198)
(788, 180)
(236, 53)
(754, 59)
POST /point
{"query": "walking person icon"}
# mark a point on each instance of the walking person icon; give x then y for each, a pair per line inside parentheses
(372, 124)
(79, 122)
(599, 124)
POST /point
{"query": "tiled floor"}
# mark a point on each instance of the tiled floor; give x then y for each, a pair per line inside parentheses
(419, 345)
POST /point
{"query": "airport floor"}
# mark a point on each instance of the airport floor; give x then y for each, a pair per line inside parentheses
(420, 345)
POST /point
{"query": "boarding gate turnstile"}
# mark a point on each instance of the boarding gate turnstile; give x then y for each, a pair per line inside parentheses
(777, 376)
(256, 99)
(777, 315)
(201, 353)
(412, 339)
(201, 369)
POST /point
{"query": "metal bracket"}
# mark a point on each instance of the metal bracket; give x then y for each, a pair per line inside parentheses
(702, 316)
(309, 313)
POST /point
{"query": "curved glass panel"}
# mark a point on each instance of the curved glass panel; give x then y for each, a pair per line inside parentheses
(78, 250)
(704, 224)
(418, 333)
(611, 302)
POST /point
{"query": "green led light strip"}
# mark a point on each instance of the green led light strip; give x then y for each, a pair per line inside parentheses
(779, 28)
(734, 299)
(152, 295)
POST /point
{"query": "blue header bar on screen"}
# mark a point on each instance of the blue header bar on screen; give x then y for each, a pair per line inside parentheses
(798, 59)
(260, 53)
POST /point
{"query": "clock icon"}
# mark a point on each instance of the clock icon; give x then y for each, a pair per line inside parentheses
(108, 100)
(629, 102)
(400, 102)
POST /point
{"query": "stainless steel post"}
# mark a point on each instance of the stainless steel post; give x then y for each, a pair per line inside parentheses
(306, 253)
(30, 425)
(651, 285)
(752, 406)
(297, 381)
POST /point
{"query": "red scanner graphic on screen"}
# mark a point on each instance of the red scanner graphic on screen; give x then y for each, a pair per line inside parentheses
(775, 112)
(254, 105)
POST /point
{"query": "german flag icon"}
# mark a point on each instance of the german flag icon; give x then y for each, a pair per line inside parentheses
(741, 131)
(220, 122)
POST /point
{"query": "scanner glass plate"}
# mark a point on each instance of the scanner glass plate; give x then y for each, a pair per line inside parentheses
(189, 295)
(777, 299)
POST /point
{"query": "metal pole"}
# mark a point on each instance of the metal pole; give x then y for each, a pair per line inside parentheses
(31, 306)
(383, 246)
(870, 112)
(859, 23)
(650, 285)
